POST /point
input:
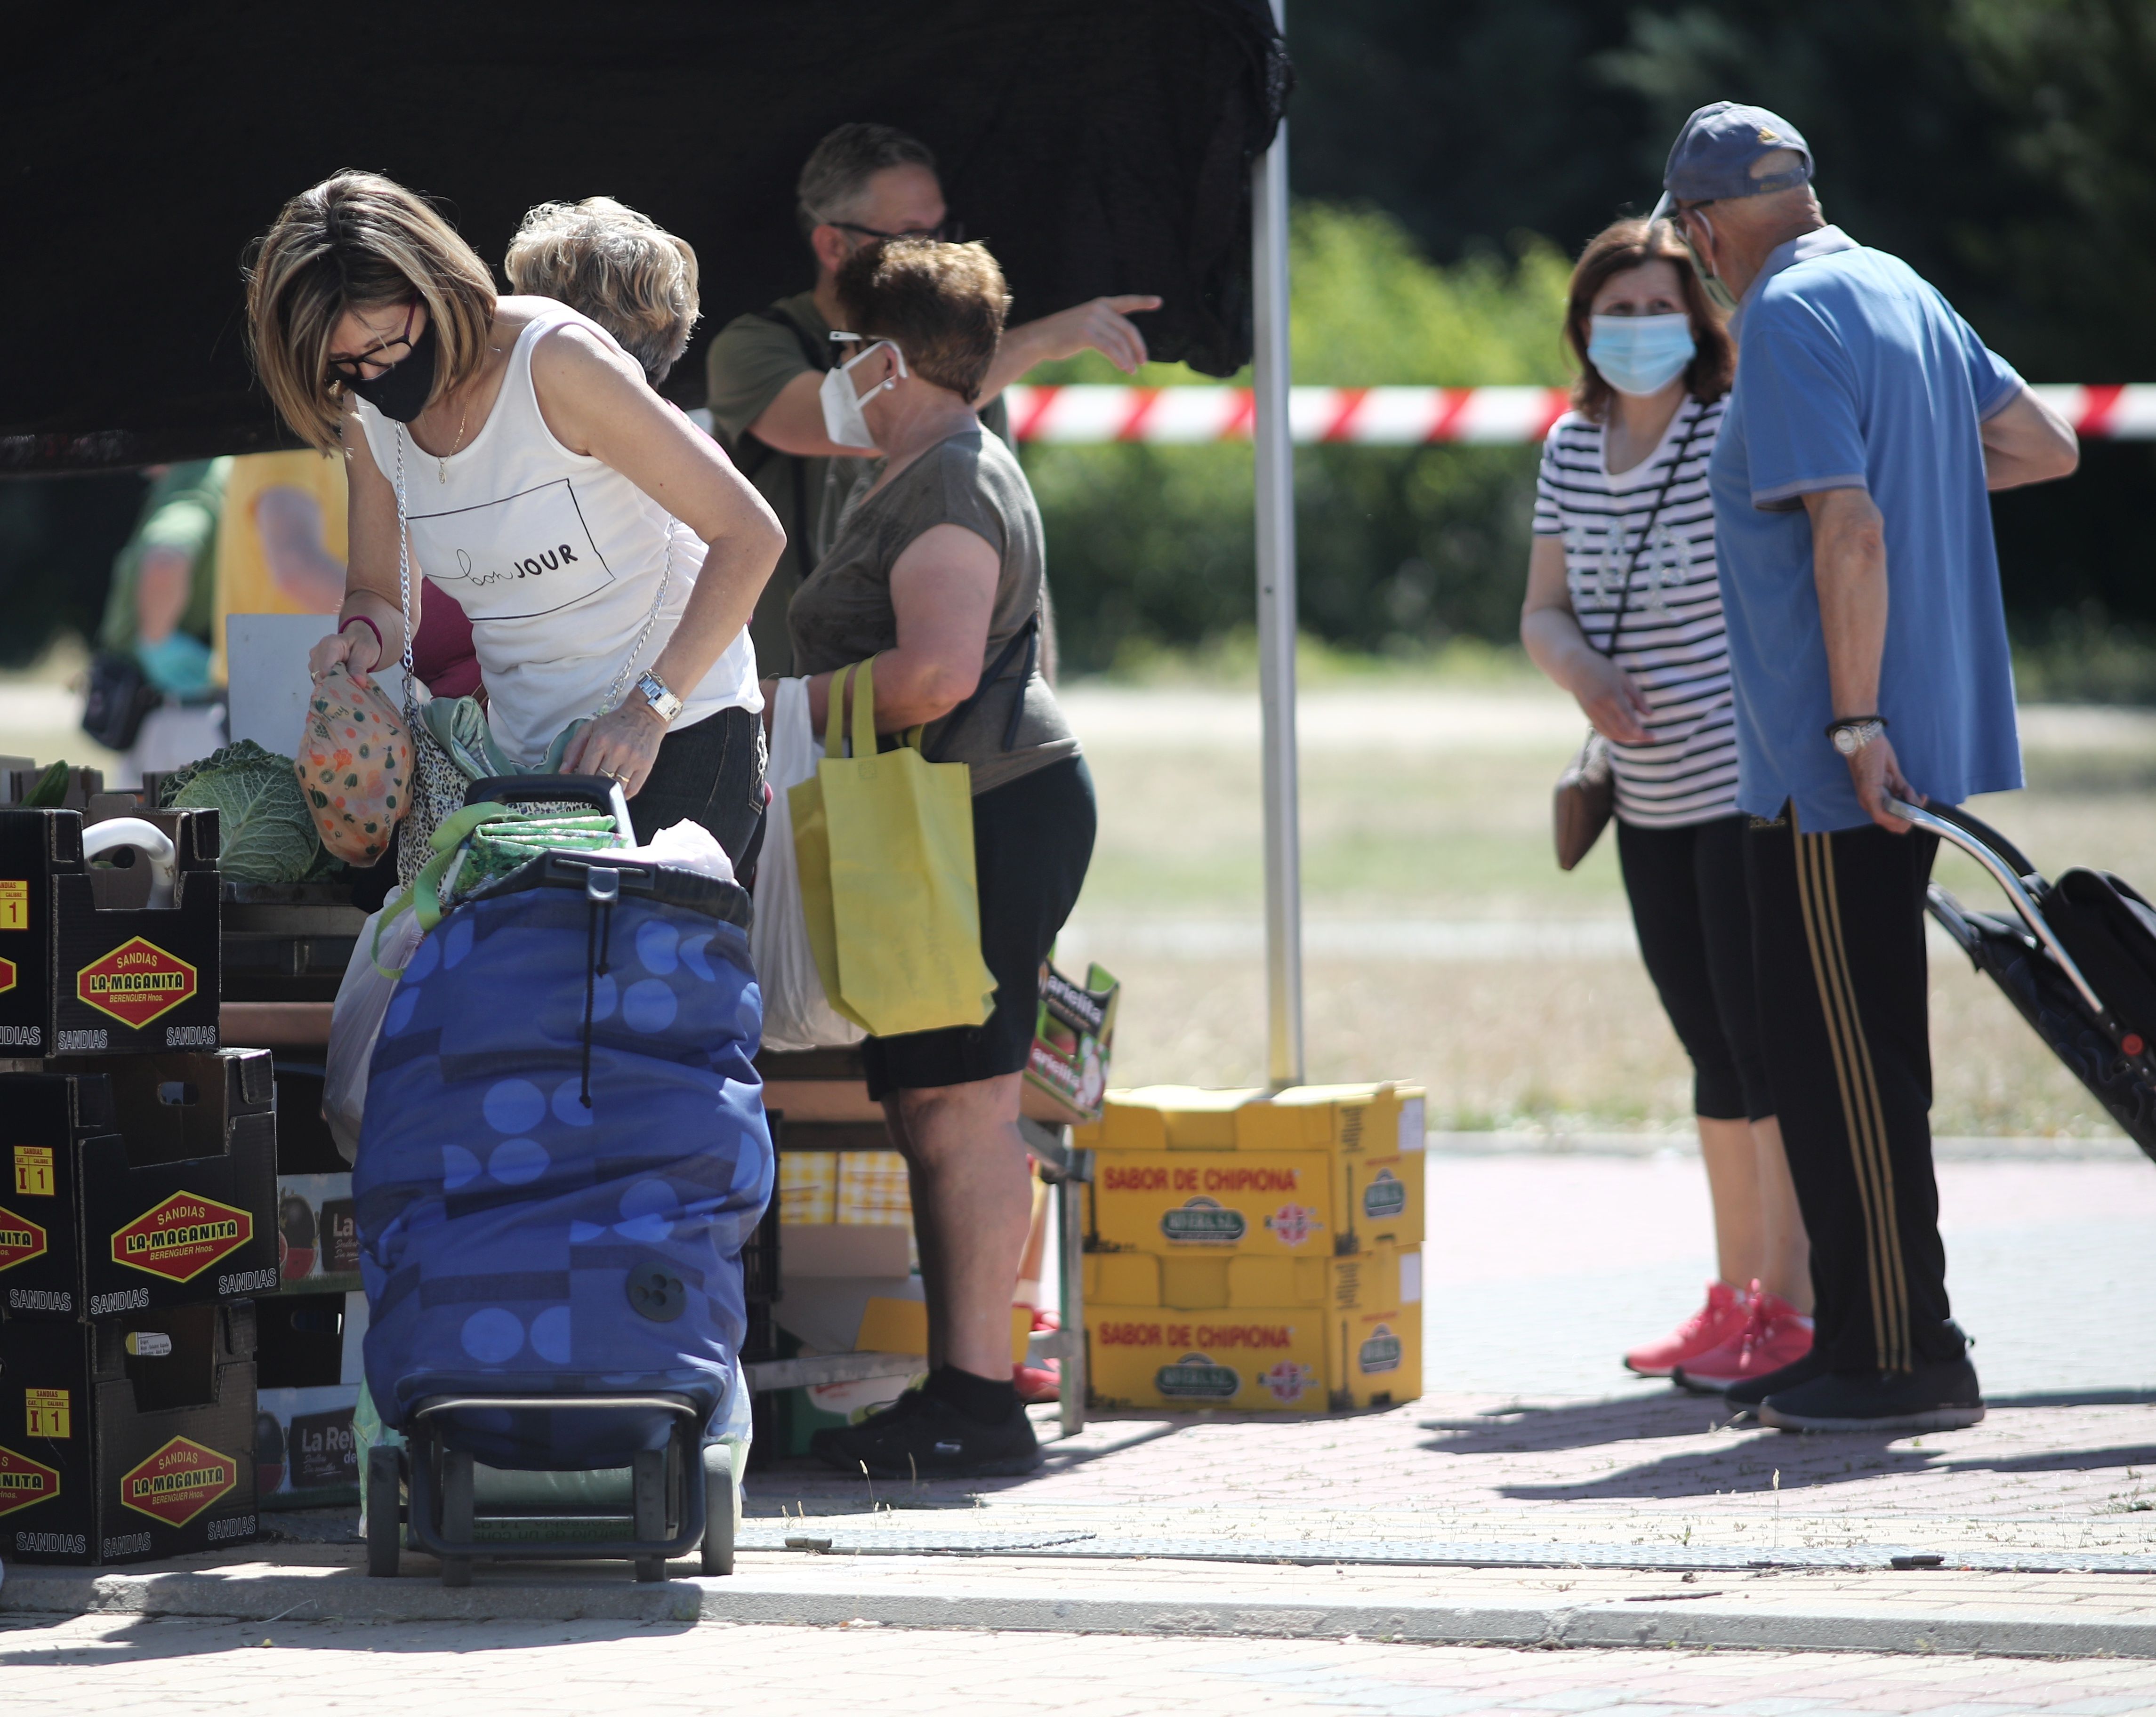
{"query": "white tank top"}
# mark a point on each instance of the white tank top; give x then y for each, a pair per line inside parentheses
(555, 556)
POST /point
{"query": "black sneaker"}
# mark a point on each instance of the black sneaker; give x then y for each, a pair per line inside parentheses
(1752, 1390)
(1941, 1396)
(920, 1435)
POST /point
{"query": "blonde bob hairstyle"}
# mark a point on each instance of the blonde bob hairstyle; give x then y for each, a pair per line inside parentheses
(621, 269)
(358, 241)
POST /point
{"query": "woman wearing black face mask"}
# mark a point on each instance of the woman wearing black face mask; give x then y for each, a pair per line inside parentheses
(607, 552)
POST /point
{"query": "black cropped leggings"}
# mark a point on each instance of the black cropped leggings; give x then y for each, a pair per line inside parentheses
(1692, 911)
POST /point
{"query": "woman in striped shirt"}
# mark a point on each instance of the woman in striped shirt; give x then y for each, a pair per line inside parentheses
(1623, 611)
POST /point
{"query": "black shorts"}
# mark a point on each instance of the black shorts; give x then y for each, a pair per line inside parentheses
(1033, 839)
(1693, 913)
(710, 772)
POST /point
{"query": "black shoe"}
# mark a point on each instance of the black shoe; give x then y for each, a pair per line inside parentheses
(1752, 1390)
(920, 1435)
(1940, 1395)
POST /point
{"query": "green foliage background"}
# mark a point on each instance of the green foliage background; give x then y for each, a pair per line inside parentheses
(1399, 548)
(1999, 146)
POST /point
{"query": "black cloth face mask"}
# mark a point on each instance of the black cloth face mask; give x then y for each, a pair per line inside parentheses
(400, 392)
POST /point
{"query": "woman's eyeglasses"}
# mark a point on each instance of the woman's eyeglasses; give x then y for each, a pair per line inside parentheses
(382, 355)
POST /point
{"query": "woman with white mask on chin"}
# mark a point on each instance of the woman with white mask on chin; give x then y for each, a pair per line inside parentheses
(935, 571)
(1623, 611)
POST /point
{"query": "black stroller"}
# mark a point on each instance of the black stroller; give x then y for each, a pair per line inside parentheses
(2077, 957)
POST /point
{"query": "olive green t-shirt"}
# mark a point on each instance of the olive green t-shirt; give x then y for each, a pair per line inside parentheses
(844, 613)
(750, 360)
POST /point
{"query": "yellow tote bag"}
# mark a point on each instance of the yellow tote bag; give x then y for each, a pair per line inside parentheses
(883, 843)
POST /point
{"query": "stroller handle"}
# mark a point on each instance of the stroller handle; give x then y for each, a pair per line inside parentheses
(1955, 830)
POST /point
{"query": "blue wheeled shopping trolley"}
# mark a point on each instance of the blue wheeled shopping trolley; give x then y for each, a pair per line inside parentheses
(563, 1154)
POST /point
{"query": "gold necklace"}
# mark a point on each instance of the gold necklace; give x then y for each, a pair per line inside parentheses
(442, 460)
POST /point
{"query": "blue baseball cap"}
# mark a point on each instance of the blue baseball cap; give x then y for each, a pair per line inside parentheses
(1713, 155)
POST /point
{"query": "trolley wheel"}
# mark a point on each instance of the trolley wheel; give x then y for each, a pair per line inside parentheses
(385, 1511)
(648, 1475)
(457, 1514)
(718, 1550)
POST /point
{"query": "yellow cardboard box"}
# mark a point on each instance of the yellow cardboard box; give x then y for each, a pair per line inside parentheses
(1270, 1203)
(1383, 1276)
(1214, 1203)
(1381, 1195)
(1373, 1356)
(1166, 1118)
(1382, 1120)
(1262, 1360)
(889, 1325)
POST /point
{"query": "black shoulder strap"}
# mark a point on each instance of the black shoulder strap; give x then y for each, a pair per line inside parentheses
(1029, 635)
(751, 455)
(1632, 565)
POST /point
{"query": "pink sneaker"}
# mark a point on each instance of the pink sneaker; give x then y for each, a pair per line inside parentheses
(1720, 1319)
(1774, 1335)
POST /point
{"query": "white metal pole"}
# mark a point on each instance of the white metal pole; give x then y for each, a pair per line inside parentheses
(1276, 608)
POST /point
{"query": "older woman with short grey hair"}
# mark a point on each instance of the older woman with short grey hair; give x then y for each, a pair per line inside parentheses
(621, 269)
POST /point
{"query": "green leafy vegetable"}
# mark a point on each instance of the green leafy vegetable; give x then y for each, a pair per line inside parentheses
(264, 826)
(51, 790)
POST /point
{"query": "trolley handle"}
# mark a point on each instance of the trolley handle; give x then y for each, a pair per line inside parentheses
(602, 792)
(1999, 857)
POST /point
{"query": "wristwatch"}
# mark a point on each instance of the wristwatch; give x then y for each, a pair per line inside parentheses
(1853, 733)
(662, 702)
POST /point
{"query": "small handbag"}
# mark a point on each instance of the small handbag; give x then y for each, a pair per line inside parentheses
(1585, 798)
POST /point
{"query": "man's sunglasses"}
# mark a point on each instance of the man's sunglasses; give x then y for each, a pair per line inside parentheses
(950, 233)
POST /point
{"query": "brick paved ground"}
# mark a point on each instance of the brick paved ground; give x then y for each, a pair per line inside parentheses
(177, 1669)
(1539, 1270)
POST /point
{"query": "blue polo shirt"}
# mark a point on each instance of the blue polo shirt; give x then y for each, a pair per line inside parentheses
(1855, 372)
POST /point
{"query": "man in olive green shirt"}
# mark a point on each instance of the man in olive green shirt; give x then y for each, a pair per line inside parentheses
(863, 183)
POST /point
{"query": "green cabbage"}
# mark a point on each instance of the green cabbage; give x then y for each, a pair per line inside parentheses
(264, 828)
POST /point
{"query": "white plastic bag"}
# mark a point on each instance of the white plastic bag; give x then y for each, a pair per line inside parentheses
(797, 1014)
(356, 1021)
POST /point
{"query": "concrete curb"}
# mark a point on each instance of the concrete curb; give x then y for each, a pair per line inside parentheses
(339, 1594)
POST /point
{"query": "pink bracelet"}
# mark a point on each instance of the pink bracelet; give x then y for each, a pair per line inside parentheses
(381, 649)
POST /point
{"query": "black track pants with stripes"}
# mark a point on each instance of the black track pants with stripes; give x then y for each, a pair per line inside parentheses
(1838, 944)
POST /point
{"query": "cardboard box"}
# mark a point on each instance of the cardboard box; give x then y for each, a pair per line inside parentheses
(308, 1368)
(128, 1440)
(1166, 1118)
(148, 1182)
(1066, 1071)
(305, 1454)
(1264, 1360)
(1381, 1195)
(317, 1234)
(1372, 1279)
(1214, 1203)
(1373, 1356)
(1384, 1119)
(1272, 1204)
(85, 966)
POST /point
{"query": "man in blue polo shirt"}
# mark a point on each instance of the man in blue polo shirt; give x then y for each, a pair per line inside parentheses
(1867, 646)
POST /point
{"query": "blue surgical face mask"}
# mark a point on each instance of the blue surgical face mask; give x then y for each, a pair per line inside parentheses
(1640, 355)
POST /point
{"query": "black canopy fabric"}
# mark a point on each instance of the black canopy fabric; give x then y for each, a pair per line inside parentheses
(1098, 145)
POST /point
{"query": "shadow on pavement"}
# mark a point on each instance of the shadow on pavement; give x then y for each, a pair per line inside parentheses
(1577, 1425)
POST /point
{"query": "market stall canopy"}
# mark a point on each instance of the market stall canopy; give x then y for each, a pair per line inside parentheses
(1098, 145)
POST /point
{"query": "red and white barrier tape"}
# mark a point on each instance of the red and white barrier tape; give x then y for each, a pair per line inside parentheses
(1415, 417)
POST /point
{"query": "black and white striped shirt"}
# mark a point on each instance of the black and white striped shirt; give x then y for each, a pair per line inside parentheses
(1672, 641)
